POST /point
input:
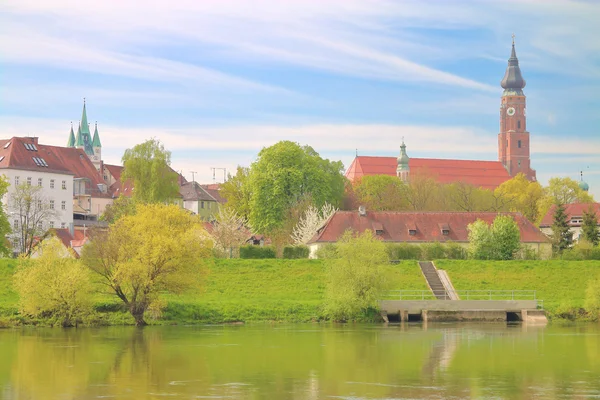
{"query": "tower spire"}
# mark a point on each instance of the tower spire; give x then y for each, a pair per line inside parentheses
(71, 141)
(513, 82)
(96, 139)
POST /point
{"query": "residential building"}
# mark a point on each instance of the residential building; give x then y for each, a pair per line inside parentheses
(197, 200)
(513, 147)
(421, 227)
(574, 214)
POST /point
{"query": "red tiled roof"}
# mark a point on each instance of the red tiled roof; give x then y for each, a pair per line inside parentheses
(572, 210)
(429, 226)
(485, 174)
(118, 188)
(214, 191)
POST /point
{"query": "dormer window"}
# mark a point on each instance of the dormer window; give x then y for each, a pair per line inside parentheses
(444, 229)
(378, 228)
(412, 229)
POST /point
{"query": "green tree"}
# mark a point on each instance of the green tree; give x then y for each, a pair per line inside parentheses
(54, 285)
(283, 175)
(381, 193)
(120, 207)
(562, 191)
(355, 280)
(237, 192)
(592, 297)
(158, 249)
(32, 212)
(523, 196)
(147, 165)
(562, 236)
(589, 227)
(500, 241)
(4, 224)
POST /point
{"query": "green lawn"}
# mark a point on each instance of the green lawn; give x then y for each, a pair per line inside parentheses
(561, 284)
(241, 290)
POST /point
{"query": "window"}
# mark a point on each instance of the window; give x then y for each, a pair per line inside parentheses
(39, 182)
(64, 185)
(16, 224)
(28, 181)
(52, 204)
(16, 181)
(518, 124)
(519, 163)
(51, 183)
(519, 144)
(51, 224)
(201, 204)
(63, 205)
(40, 226)
(63, 225)
(39, 204)
(7, 144)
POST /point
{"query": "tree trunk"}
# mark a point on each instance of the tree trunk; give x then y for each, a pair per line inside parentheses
(137, 311)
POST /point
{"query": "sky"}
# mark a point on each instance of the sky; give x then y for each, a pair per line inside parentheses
(217, 80)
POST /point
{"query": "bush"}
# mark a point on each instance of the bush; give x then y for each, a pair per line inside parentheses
(583, 250)
(403, 251)
(432, 251)
(455, 251)
(292, 252)
(592, 298)
(256, 252)
(327, 251)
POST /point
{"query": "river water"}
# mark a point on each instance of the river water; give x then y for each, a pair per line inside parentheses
(408, 361)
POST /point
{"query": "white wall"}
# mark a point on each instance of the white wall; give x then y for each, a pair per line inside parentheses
(64, 218)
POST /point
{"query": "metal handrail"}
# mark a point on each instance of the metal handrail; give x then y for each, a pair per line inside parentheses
(463, 294)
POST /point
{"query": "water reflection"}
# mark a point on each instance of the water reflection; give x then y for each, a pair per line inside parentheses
(302, 362)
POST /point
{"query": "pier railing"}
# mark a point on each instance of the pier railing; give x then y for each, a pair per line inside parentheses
(462, 294)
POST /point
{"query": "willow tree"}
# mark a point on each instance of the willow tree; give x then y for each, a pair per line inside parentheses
(147, 166)
(158, 249)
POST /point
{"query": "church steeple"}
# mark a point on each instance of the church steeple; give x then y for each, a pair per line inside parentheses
(78, 138)
(84, 128)
(96, 139)
(402, 170)
(513, 82)
(71, 142)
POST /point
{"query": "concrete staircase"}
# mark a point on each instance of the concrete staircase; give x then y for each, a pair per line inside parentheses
(433, 280)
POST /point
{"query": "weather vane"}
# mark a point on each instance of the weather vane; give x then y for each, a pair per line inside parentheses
(513, 38)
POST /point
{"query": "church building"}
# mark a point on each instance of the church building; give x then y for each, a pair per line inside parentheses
(513, 147)
(83, 140)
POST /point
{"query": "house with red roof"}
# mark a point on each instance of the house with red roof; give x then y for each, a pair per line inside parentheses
(421, 227)
(574, 212)
(513, 148)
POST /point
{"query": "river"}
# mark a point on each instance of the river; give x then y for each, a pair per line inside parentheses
(409, 361)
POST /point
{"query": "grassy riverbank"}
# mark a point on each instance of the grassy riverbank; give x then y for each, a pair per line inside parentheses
(561, 284)
(237, 290)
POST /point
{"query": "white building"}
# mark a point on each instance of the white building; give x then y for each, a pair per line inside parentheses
(574, 214)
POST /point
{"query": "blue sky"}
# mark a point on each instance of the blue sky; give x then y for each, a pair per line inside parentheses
(217, 80)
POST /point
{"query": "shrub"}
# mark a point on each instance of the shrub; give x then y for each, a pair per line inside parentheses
(403, 251)
(291, 252)
(255, 252)
(432, 251)
(592, 298)
(455, 251)
(327, 251)
(54, 286)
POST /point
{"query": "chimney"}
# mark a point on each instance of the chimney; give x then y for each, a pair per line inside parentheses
(34, 139)
(362, 211)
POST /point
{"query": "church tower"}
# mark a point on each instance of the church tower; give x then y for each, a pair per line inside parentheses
(513, 139)
(402, 169)
(84, 139)
(97, 157)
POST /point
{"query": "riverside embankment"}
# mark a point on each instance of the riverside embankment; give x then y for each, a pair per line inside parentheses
(294, 290)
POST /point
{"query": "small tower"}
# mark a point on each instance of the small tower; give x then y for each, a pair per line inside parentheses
(403, 170)
(71, 141)
(84, 139)
(97, 157)
(513, 139)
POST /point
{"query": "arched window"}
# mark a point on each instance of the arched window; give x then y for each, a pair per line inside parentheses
(518, 124)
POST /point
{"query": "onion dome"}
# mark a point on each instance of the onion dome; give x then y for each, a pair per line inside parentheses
(403, 158)
(513, 82)
(583, 184)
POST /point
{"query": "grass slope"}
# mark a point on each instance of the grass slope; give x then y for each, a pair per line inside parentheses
(239, 290)
(561, 284)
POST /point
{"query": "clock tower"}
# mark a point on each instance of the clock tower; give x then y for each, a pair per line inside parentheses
(513, 139)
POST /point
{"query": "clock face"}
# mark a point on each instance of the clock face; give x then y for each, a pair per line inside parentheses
(510, 111)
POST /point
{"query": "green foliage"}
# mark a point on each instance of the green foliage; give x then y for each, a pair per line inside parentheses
(455, 251)
(592, 297)
(257, 252)
(355, 281)
(381, 193)
(148, 166)
(589, 227)
(403, 251)
(292, 252)
(562, 236)
(54, 285)
(583, 250)
(522, 195)
(500, 241)
(284, 174)
(120, 207)
(158, 249)
(4, 224)
(432, 251)
(327, 251)
(562, 191)
(237, 192)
